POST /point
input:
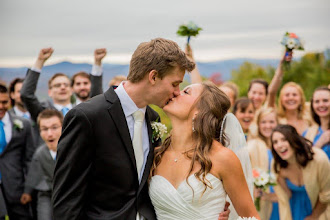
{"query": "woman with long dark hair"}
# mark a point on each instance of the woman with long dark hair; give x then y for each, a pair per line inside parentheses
(303, 176)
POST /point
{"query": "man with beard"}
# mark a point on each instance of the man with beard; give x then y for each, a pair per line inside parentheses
(86, 85)
(59, 88)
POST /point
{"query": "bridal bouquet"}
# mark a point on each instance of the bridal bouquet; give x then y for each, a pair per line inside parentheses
(291, 41)
(262, 180)
(188, 30)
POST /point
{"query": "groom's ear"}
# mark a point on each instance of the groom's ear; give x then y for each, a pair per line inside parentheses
(153, 74)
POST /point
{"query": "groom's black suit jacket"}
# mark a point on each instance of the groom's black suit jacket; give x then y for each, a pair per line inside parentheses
(95, 174)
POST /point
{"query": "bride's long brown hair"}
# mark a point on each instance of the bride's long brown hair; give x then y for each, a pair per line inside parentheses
(212, 105)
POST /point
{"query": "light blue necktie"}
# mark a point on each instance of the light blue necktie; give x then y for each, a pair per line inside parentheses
(3, 141)
(64, 110)
(26, 116)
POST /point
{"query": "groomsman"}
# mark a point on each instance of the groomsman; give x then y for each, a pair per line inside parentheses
(16, 150)
(40, 175)
(19, 109)
(60, 88)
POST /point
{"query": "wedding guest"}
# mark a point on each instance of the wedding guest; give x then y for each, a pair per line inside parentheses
(302, 174)
(257, 92)
(319, 133)
(86, 85)
(59, 88)
(261, 157)
(244, 111)
(231, 90)
(116, 80)
(16, 150)
(40, 175)
(19, 109)
(292, 109)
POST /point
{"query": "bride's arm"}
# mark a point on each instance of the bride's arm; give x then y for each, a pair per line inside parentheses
(229, 168)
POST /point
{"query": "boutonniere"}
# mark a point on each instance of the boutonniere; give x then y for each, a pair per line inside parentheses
(18, 124)
(158, 130)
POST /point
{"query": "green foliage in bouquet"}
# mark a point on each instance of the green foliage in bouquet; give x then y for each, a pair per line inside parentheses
(188, 30)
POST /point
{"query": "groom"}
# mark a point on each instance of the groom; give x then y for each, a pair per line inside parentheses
(104, 157)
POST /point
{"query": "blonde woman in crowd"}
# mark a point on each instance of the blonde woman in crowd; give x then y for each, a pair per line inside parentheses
(292, 109)
(303, 187)
(231, 90)
(261, 157)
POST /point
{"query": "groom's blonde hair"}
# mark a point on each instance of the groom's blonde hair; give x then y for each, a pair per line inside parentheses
(159, 54)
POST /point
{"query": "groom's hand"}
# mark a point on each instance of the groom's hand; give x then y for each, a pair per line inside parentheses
(225, 214)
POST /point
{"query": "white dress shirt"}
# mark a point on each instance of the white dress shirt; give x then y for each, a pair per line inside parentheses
(129, 107)
(20, 113)
(59, 107)
(7, 127)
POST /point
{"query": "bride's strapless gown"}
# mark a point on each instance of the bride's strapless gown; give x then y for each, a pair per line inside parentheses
(182, 203)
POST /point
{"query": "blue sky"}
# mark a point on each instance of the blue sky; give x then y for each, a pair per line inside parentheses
(231, 29)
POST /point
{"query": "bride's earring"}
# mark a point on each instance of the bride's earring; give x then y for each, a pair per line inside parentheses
(193, 127)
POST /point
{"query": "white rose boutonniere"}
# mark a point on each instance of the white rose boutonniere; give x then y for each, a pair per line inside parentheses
(18, 124)
(158, 130)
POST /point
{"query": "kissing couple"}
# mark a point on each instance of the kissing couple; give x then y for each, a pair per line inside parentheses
(109, 166)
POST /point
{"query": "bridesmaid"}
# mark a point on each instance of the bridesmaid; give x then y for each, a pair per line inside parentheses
(291, 107)
(302, 174)
(261, 157)
(244, 111)
(319, 134)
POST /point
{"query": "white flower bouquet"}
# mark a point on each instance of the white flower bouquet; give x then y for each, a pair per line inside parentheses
(291, 41)
(188, 30)
(262, 180)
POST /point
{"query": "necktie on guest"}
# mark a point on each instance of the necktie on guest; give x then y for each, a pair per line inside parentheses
(137, 140)
(26, 116)
(64, 110)
(3, 141)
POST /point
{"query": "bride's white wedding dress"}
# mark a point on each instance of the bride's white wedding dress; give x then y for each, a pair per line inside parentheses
(183, 203)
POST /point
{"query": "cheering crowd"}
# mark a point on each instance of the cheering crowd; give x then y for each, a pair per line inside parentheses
(290, 139)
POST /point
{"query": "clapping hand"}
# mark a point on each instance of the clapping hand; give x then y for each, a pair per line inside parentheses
(99, 54)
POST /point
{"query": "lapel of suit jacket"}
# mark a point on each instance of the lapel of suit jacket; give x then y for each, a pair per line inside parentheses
(151, 152)
(117, 114)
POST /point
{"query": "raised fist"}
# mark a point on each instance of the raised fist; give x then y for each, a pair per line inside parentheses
(45, 53)
(99, 54)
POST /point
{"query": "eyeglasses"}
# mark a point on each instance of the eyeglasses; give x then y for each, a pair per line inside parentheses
(58, 85)
(53, 128)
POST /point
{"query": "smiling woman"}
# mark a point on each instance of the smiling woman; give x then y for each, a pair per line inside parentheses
(303, 176)
(291, 107)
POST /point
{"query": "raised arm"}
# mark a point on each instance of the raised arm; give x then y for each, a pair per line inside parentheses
(277, 80)
(73, 165)
(195, 75)
(96, 74)
(30, 84)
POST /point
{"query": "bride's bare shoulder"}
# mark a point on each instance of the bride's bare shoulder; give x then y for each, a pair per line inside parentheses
(223, 158)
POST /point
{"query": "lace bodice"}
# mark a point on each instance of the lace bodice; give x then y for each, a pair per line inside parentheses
(183, 203)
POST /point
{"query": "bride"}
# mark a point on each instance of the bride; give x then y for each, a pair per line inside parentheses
(192, 171)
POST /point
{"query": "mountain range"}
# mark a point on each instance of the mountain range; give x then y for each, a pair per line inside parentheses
(223, 67)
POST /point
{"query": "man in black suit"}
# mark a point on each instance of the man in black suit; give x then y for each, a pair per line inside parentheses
(16, 150)
(59, 88)
(101, 171)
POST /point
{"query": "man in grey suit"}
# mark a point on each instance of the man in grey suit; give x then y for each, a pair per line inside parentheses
(40, 175)
(59, 85)
(16, 150)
